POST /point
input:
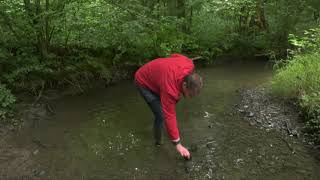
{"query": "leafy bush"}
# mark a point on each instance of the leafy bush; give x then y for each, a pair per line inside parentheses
(33, 74)
(311, 108)
(25, 72)
(309, 42)
(300, 78)
(312, 130)
(143, 40)
(7, 101)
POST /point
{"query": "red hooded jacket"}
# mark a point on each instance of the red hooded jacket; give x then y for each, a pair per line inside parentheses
(164, 76)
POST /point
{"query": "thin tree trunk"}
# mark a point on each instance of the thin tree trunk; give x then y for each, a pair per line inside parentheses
(47, 31)
(34, 12)
(181, 8)
(41, 34)
(190, 20)
(171, 7)
(261, 19)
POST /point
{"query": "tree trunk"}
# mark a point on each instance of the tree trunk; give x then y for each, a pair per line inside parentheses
(47, 27)
(41, 28)
(189, 27)
(171, 5)
(181, 8)
(35, 14)
(177, 8)
(260, 16)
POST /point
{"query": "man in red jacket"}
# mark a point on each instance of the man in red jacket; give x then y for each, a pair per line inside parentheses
(161, 82)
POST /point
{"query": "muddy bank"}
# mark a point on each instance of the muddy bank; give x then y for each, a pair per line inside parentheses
(263, 110)
(16, 162)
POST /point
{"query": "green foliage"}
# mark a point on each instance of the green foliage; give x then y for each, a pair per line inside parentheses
(301, 74)
(212, 35)
(137, 30)
(309, 42)
(28, 73)
(33, 74)
(312, 129)
(7, 101)
(53, 43)
(146, 40)
(311, 104)
(300, 78)
(311, 108)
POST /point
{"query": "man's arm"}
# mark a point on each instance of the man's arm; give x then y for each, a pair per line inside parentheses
(168, 104)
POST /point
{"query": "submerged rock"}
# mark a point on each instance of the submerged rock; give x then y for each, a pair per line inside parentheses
(35, 152)
(294, 132)
(253, 123)
(259, 121)
(210, 144)
(207, 115)
(251, 114)
(42, 173)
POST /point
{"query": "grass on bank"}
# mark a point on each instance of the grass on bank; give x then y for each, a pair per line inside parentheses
(300, 79)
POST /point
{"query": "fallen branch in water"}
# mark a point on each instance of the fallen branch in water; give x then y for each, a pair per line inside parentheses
(40, 144)
(196, 58)
(40, 93)
(75, 84)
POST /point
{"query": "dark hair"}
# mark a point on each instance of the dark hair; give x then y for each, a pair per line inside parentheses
(193, 82)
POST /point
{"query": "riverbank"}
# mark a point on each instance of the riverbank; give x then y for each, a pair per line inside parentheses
(263, 110)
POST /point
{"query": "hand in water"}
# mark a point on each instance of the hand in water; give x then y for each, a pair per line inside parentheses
(183, 151)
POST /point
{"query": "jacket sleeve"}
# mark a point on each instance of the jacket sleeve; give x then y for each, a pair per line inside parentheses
(168, 104)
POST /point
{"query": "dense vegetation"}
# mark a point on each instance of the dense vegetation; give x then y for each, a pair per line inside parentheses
(299, 78)
(57, 43)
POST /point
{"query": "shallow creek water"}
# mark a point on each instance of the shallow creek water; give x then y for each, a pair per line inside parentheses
(107, 134)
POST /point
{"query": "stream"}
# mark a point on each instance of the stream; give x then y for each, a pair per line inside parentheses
(107, 134)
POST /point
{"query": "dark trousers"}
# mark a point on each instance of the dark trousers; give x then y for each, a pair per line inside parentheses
(154, 103)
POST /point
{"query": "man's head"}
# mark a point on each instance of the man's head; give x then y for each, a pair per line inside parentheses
(191, 85)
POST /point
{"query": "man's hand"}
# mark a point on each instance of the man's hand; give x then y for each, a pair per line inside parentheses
(183, 151)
